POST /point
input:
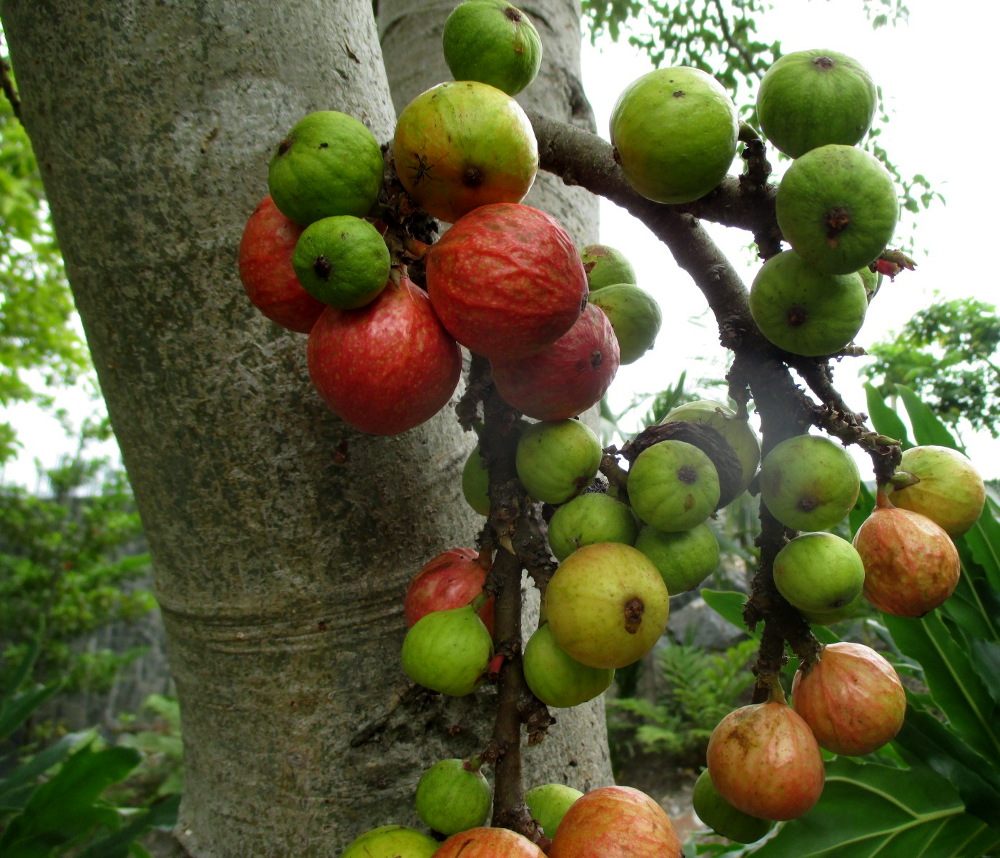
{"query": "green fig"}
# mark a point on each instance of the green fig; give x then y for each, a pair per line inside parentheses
(453, 795)
(673, 485)
(634, 316)
(342, 261)
(556, 459)
(589, 518)
(448, 651)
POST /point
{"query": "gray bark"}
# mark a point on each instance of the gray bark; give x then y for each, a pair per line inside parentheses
(279, 571)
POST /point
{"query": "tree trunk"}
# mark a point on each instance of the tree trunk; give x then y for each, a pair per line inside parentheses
(282, 540)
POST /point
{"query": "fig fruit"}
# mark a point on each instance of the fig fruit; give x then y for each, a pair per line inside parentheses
(809, 482)
(506, 281)
(566, 378)
(734, 429)
(765, 761)
(724, 819)
(818, 572)
(342, 261)
(804, 310)
(947, 488)
(476, 482)
(634, 316)
(589, 518)
(558, 679)
(266, 272)
(493, 42)
(391, 841)
(605, 266)
(385, 367)
(674, 133)
(451, 579)
(684, 558)
(851, 699)
(911, 564)
(811, 98)
(606, 604)
(673, 485)
(548, 804)
(557, 459)
(488, 843)
(329, 163)
(464, 144)
(448, 651)
(837, 207)
(453, 795)
(615, 822)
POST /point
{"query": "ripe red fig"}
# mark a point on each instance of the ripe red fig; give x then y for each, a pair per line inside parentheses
(911, 564)
(851, 698)
(451, 579)
(947, 489)
(765, 761)
(506, 280)
(566, 378)
(386, 367)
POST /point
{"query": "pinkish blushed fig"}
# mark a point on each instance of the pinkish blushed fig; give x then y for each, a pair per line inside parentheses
(557, 459)
(589, 518)
(488, 842)
(943, 484)
(819, 572)
(911, 564)
(765, 761)
(448, 651)
(607, 605)
(673, 485)
(453, 795)
(566, 378)
(450, 579)
(558, 679)
(506, 281)
(851, 699)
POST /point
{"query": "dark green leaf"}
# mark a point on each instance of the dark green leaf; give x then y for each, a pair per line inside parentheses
(883, 418)
(163, 814)
(16, 787)
(927, 428)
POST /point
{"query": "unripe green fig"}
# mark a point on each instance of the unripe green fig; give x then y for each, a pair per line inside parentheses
(558, 679)
(328, 164)
(453, 795)
(589, 518)
(673, 485)
(342, 261)
(724, 819)
(811, 98)
(946, 487)
(476, 482)
(684, 558)
(809, 482)
(634, 316)
(548, 804)
(448, 651)
(605, 266)
(391, 841)
(493, 42)
(556, 459)
(819, 572)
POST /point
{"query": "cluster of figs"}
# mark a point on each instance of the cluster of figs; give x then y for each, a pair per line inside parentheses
(328, 253)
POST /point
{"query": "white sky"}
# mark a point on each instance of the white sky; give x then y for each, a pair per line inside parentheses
(937, 75)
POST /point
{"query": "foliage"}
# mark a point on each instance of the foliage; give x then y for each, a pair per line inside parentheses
(51, 803)
(156, 733)
(63, 565)
(935, 789)
(38, 333)
(694, 690)
(947, 353)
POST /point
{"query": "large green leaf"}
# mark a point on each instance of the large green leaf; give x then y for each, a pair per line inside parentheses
(927, 427)
(18, 786)
(953, 678)
(869, 810)
(983, 542)
(884, 419)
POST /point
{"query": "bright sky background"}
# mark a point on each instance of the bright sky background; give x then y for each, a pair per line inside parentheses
(937, 75)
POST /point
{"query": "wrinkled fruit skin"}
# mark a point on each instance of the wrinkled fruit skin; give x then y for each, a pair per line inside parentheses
(724, 819)
(266, 272)
(911, 564)
(810, 98)
(451, 579)
(493, 42)
(453, 796)
(607, 605)
(556, 678)
(463, 144)
(506, 281)
(950, 490)
(568, 377)
(391, 841)
(386, 367)
(548, 804)
(615, 822)
(488, 843)
(765, 761)
(448, 651)
(851, 699)
(809, 482)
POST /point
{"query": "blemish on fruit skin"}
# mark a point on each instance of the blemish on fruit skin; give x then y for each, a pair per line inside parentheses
(679, 94)
(285, 145)
(687, 474)
(634, 609)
